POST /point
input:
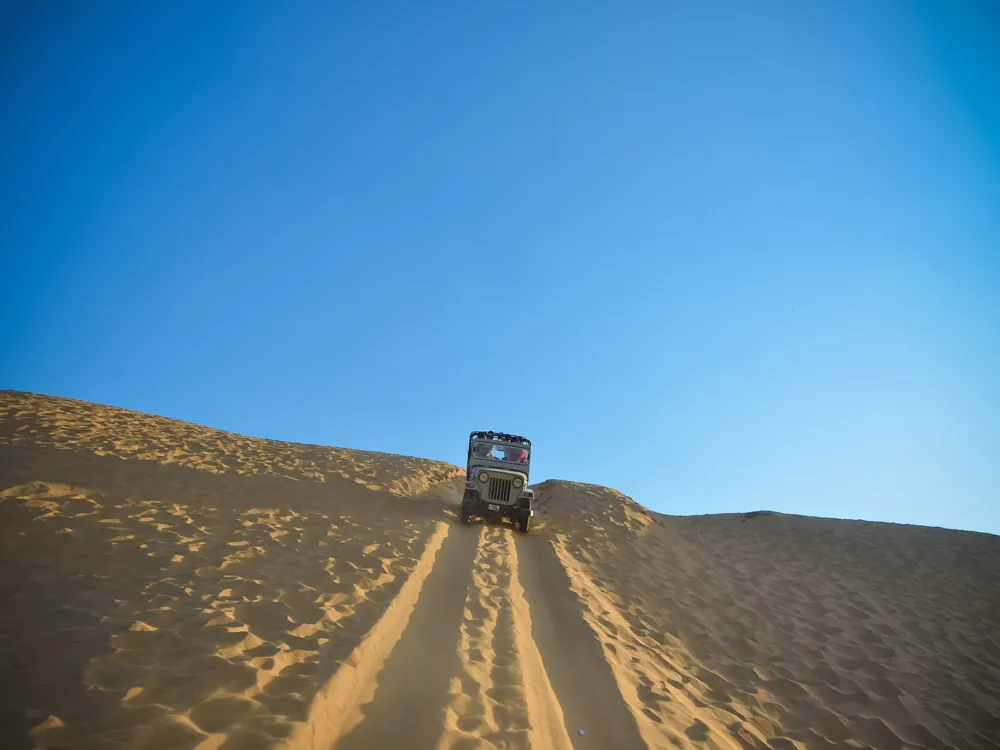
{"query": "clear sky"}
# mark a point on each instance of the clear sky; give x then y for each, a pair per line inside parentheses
(720, 256)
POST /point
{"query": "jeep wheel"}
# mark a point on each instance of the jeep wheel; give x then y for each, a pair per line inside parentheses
(465, 514)
(522, 523)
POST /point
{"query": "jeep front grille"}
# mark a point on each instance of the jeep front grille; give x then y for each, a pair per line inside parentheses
(500, 489)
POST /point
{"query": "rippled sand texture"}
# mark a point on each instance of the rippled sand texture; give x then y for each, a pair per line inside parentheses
(765, 629)
(166, 585)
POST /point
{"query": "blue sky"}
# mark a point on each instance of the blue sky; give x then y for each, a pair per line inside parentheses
(719, 257)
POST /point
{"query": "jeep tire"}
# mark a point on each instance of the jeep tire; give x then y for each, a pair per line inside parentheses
(522, 523)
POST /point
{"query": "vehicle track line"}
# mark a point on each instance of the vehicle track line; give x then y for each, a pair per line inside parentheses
(571, 653)
(548, 727)
(470, 713)
(336, 709)
(412, 691)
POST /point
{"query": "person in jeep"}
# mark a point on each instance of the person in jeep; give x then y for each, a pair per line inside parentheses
(496, 483)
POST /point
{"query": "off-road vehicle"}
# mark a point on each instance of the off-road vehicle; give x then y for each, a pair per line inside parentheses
(496, 479)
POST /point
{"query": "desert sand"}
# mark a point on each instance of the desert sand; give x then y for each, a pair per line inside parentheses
(166, 585)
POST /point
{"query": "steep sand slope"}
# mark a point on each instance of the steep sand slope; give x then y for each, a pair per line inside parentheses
(168, 585)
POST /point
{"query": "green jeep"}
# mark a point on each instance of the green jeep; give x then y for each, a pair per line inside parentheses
(496, 479)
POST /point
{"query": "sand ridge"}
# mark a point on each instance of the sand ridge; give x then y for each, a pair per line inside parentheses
(69, 424)
(169, 585)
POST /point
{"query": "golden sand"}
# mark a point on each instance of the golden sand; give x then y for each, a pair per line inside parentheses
(167, 585)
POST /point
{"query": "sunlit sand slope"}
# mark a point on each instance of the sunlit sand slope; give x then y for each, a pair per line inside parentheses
(166, 585)
(767, 629)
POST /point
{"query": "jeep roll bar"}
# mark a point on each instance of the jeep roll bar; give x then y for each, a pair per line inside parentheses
(502, 436)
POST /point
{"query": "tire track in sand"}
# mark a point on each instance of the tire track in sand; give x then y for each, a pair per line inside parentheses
(571, 653)
(502, 698)
(337, 707)
(484, 646)
(411, 690)
(548, 726)
(486, 700)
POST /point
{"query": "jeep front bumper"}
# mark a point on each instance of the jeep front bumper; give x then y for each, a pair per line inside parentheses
(509, 511)
(478, 505)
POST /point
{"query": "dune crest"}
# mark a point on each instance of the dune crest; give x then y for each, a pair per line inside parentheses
(170, 585)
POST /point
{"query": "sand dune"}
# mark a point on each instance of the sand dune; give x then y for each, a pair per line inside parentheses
(167, 585)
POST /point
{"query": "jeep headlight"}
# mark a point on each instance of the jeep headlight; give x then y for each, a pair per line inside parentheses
(483, 476)
(518, 482)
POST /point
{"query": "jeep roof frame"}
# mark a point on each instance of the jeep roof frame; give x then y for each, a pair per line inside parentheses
(499, 436)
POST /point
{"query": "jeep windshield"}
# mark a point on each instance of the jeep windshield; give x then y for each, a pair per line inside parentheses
(506, 453)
